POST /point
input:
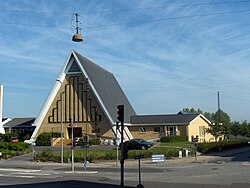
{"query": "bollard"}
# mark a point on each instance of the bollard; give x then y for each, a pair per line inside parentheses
(180, 154)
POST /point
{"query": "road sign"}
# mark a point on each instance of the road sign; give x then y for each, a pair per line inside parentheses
(85, 164)
(84, 147)
(139, 157)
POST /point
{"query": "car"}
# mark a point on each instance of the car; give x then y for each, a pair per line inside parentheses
(2, 139)
(13, 140)
(137, 144)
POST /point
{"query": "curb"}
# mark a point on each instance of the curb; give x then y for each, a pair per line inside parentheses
(81, 172)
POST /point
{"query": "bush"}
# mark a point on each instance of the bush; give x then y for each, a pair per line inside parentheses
(26, 136)
(11, 149)
(92, 142)
(7, 136)
(96, 155)
(48, 155)
(174, 139)
(221, 145)
(44, 139)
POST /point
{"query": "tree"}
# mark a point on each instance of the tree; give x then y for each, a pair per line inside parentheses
(244, 129)
(224, 120)
(210, 116)
(216, 129)
(192, 110)
(235, 128)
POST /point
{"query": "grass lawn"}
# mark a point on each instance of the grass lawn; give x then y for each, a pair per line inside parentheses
(177, 145)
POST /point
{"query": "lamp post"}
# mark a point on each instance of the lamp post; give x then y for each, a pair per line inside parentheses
(86, 131)
(61, 119)
(72, 146)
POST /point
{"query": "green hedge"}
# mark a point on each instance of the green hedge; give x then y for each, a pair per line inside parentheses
(7, 136)
(94, 155)
(12, 149)
(92, 141)
(221, 145)
(174, 139)
(44, 139)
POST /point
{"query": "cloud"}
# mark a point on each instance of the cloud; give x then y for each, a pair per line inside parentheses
(162, 65)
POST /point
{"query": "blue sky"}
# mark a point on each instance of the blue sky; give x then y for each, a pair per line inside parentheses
(166, 55)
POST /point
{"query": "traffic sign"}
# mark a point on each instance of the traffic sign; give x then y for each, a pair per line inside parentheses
(139, 157)
(84, 147)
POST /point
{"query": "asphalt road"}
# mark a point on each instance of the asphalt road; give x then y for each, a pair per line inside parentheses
(230, 171)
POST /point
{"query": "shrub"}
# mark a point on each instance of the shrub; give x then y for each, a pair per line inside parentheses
(55, 135)
(26, 137)
(7, 136)
(47, 155)
(11, 149)
(44, 139)
(94, 155)
(174, 139)
(92, 141)
(221, 145)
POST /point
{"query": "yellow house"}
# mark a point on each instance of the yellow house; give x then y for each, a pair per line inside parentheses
(151, 127)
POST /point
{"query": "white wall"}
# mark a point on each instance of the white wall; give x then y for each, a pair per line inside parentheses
(1, 109)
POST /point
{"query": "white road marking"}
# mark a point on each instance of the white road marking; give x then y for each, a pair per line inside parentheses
(12, 176)
(22, 173)
(18, 170)
(81, 172)
(31, 173)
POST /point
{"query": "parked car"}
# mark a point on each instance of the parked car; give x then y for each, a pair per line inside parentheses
(2, 139)
(137, 144)
(14, 140)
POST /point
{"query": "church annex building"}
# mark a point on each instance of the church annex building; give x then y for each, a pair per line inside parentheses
(86, 96)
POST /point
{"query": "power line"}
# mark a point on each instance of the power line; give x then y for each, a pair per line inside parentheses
(135, 22)
(125, 10)
(163, 7)
(34, 12)
(171, 18)
(34, 25)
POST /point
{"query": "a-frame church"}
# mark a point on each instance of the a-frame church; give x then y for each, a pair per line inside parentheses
(86, 96)
(84, 99)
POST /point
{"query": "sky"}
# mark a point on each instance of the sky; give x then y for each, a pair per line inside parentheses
(166, 54)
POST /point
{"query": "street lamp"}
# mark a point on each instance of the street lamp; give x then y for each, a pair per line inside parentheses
(86, 111)
(77, 37)
(61, 121)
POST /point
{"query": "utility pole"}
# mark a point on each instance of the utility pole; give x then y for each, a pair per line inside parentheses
(218, 115)
(86, 136)
(72, 146)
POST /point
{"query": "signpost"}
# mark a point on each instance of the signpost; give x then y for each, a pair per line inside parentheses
(120, 118)
(139, 157)
(85, 161)
(196, 140)
(85, 147)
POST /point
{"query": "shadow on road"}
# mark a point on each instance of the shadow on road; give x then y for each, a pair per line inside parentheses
(65, 184)
(236, 155)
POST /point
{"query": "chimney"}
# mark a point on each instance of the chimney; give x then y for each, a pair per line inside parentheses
(1, 109)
